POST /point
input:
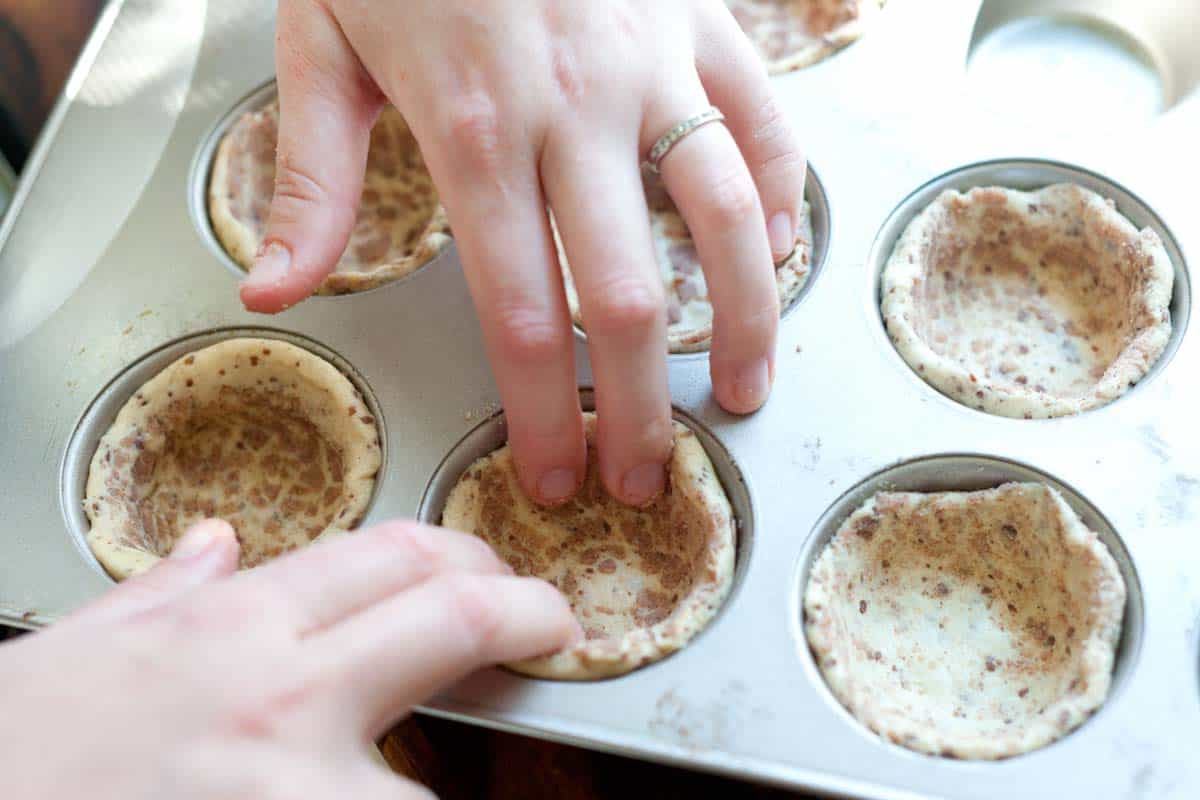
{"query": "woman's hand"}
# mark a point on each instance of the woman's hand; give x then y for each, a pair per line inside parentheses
(523, 104)
(191, 681)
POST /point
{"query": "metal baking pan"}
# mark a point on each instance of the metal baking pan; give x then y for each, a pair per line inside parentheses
(107, 269)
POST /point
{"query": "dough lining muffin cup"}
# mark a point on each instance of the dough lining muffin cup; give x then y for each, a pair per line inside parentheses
(918, 308)
(959, 473)
(105, 408)
(491, 434)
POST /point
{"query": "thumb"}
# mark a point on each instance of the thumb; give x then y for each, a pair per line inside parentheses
(207, 551)
(327, 106)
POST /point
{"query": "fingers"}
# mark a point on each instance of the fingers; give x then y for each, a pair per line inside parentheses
(489, 184)
(600, 209)
(326, 110)
(328, 582)
(709, 182)
(737, 83)
(206, 552)
(402, 651)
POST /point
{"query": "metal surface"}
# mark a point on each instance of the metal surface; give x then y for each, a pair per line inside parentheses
(101, 263)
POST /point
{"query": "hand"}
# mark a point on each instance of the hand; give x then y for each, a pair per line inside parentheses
(191, 681)
(523, 104)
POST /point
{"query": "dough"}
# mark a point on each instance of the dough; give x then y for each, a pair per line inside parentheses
(689, 312)
(791, 34)
(967, 624)
(259, 432)
(400, 225)
(642, 582)
(1028, 304)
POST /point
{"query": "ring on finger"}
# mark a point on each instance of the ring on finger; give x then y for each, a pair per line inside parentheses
(677, 134)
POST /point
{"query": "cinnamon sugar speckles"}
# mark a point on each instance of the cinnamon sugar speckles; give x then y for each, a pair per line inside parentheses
(948, 634)
(264, 448)
(791, 34)
(1028, 304)
(642, 581)
(400, 225)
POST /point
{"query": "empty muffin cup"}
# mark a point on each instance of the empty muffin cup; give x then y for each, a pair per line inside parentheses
(975, 624)
(1028, 304)
(259, 432)
(400, 224)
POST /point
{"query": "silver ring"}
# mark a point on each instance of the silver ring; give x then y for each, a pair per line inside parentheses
(677, 134)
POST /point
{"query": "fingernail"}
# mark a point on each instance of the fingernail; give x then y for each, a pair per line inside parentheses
(781, 234)
(642, 484)
(752, 385)
(271, 265)
(196, 540)
(556, 485)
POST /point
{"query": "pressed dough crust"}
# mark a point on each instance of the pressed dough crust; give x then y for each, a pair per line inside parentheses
(400, 225)
(1028, 304)
(791, 34)
(974, 625)
(259, 432)
(689, 312)
(642, 582)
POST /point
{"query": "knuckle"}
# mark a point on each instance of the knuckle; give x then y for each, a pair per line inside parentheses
(476, 547)
(296, 183)
(732, 199)
(407, 538)
(528, 334)
(758, 326)
(771, 125)
(475, 134)
(571, 77)
(269, 716)
(625, 305)
(476, 614)
(193, 620)
(649, 437)
(775, 145)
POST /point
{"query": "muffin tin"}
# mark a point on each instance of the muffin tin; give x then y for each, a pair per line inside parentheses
(106, 271)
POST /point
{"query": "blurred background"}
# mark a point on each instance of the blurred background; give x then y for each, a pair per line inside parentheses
(39, 42)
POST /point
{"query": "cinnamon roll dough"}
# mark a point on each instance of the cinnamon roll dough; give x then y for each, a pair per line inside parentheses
(975, 625)
(400, 226)
(1028, 304)
(791, 34)
(259, 432)
(642, 582)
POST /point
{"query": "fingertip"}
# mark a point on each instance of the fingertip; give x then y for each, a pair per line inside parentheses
(556, 486)
(272, 285)
(551, 464)
(255, 299)
(219, 528)
(781, 232)
(571, 631)
(642, 485)
(196, 540)
(747, 389)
